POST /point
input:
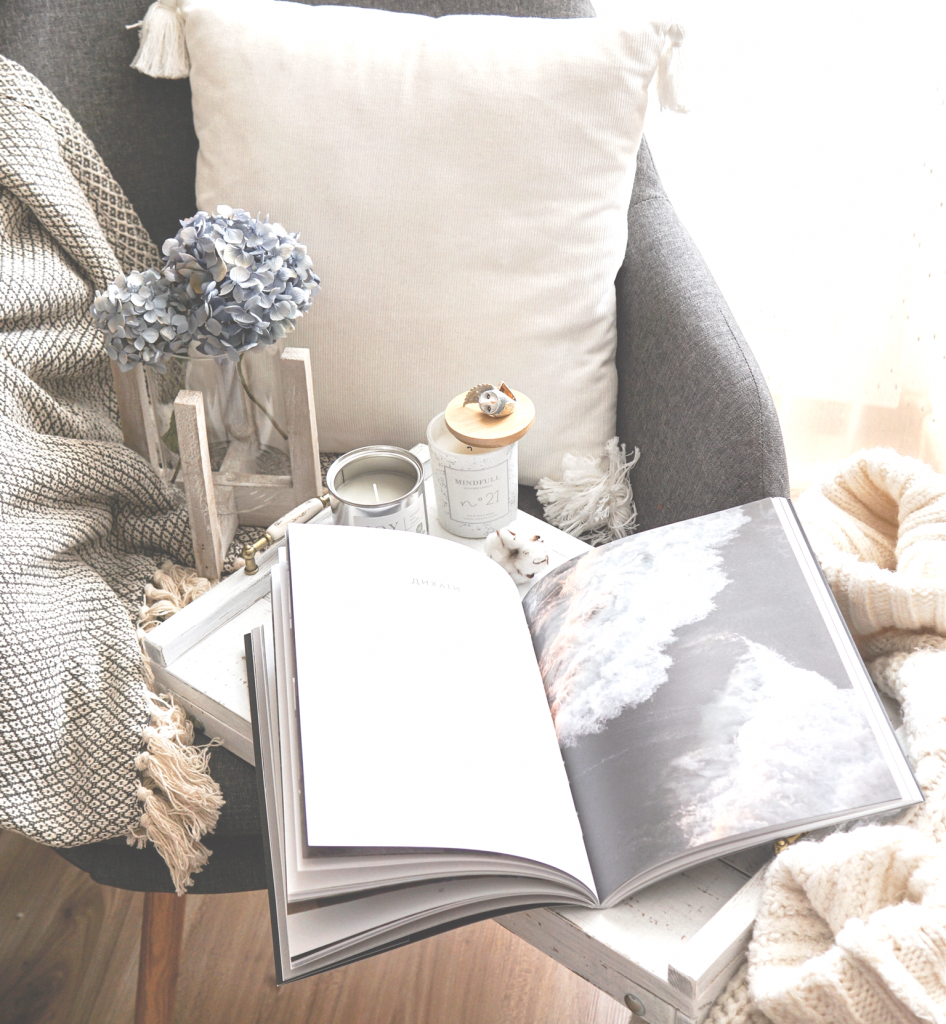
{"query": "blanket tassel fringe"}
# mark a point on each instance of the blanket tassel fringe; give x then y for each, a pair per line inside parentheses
(594, 499)
(180, 800)
(171, 588)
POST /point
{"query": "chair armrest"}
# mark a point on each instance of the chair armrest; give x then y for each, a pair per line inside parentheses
(690, 393)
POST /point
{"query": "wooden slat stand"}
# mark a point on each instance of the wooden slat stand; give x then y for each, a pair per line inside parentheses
(134, 412)
(211, 534)
(218, 502)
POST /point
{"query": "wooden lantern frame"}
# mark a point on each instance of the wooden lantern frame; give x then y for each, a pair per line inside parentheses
(219, 502)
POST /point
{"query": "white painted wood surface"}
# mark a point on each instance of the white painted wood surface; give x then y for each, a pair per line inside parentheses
(231, 738)
(650, 926)
(168, 642)
(221, 656)
(697, 921)
(695, 970)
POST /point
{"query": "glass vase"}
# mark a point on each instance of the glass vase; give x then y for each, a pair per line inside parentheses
(243, 410)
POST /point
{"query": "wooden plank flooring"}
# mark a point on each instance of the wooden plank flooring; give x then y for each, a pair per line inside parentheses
(69, 955)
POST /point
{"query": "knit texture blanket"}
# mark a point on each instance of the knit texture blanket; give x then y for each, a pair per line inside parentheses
(86, 751)
(852, 930)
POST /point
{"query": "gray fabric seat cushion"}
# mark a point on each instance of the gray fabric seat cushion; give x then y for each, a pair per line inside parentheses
(691, 395)
(236, 863)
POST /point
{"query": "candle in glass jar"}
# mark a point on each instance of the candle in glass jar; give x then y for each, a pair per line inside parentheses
(375, 488)
(476, 488)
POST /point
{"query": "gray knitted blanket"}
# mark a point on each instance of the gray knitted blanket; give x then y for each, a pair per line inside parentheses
(86, 751)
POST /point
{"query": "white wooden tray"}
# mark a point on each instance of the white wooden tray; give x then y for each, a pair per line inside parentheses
(670, 949)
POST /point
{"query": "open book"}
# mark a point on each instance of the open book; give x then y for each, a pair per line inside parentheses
(432, 749)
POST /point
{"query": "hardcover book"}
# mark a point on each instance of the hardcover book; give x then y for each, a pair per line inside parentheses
(433, 749)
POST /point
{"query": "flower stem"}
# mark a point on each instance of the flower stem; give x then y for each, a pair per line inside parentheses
(255, 401)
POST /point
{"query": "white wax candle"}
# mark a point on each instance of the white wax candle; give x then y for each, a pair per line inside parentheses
(448, 442)
(375, 488)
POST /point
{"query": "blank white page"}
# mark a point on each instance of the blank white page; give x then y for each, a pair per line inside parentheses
(423, 717)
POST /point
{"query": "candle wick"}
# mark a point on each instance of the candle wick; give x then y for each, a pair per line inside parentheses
(377, 497)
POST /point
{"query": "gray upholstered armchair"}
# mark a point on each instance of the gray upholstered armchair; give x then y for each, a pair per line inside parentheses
(691, 396)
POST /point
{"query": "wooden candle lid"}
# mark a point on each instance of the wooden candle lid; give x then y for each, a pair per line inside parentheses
(470, 425)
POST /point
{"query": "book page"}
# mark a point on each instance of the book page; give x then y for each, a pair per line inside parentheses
(373, 918)
(704, 699)
(317, 873)
(423, 719)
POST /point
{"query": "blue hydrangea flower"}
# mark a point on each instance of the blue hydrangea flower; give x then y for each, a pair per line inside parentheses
(231, 282)
(144, 319)
(249, 280)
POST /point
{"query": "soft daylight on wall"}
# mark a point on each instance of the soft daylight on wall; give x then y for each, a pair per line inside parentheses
(810, 172)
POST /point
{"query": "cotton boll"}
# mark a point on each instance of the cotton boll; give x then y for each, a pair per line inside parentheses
(521, 557)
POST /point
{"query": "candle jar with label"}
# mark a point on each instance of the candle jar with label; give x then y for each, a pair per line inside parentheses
(380, 487)
(476, 475)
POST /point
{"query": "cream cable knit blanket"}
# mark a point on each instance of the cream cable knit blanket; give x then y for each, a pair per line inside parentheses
(853, 929)
(86, 751)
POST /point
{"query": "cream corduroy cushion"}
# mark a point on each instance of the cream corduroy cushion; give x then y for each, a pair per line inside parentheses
(462, 184)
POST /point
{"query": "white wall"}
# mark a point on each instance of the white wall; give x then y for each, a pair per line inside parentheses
(810, 172)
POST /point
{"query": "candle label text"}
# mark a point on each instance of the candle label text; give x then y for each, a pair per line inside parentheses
(478, 495)
(410, 520)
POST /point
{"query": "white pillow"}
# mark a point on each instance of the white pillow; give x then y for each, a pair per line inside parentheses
(462, 185)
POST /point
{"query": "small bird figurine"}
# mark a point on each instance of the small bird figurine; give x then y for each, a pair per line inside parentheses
(493, 401)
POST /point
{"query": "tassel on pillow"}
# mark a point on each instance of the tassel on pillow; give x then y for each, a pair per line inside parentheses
(162, 52)
(670, 89)
(594, 499)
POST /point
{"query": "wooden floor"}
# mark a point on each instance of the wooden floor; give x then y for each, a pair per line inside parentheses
(69, 955)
